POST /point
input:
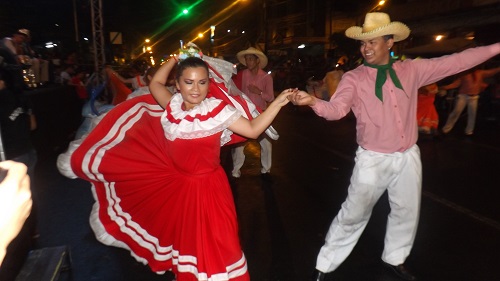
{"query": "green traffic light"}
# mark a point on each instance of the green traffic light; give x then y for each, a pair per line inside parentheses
(185, 11)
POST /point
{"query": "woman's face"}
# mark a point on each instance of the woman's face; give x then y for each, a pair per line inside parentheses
(193, 86)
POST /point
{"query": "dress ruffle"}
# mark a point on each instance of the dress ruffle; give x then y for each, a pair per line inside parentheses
(209, 117)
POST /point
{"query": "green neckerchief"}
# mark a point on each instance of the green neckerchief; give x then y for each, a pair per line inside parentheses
(382, 76)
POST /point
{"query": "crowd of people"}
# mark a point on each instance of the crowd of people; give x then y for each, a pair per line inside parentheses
(170, 202)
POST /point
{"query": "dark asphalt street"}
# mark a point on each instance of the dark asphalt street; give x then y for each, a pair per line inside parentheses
(283, 221)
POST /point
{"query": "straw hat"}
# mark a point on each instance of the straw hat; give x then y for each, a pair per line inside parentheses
(252, 51)
(378, 24)
(24, 31)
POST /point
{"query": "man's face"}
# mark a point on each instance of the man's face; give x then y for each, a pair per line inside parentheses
(376, 50)
(19, 38)
(252, 61)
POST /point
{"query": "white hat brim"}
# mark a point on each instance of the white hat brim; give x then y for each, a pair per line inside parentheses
(262, 58)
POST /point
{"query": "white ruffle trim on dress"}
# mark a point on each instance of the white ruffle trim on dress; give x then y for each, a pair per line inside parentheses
(199, 121)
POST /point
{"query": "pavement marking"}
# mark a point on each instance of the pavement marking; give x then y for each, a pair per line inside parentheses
(430, 195)
(471, 142)
(347, 157)
(462, 210)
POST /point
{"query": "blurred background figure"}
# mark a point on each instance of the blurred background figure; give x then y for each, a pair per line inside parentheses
(258, 86)
(332, 78)
(316, 86)
(427, 116)
(470, 84)
(39, 67)
(120, 87)
(66, 74)
(79, 81)
(148, 76)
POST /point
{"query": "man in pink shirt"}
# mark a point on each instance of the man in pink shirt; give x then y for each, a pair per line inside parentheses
(258, 86)
(382, 94)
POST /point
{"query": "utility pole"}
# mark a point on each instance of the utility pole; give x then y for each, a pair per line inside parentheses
(98, 40)
(264, 24)
(75, 19)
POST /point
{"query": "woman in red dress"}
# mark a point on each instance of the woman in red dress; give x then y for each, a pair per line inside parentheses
(160, 190)
(427, 116)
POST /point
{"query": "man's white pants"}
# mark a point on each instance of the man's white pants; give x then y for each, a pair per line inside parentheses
(400, 174)
(238, 156)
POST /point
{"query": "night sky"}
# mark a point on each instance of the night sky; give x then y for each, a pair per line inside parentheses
(53, 20)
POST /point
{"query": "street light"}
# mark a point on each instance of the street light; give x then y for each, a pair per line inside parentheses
(377, 7)
(146, 47)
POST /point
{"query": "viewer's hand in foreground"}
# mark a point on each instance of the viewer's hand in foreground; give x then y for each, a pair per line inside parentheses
(302, 98)
(15, 202)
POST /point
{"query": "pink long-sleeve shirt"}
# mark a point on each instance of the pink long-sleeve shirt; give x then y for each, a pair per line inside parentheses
(263, 81)
(391, 126)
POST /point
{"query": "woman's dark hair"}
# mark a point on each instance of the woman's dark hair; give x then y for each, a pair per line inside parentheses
(190, 62)
(150, 72)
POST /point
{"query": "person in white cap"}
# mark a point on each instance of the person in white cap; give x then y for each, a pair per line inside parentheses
(382, 93)
(258, 86)
(15, 44)
(39, 66)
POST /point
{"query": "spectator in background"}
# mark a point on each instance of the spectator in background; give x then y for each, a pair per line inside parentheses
(66, 74)
(136, 75)
(15, 45)
(39, 66)
(79, 82)
(316, 86)
(144, 90)
(116, 86)
(427, 116)
(14, 48)
(71, 59)
(258, 86)
(332, 78)
(470, 84)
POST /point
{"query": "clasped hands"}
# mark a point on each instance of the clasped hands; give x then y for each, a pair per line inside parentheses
(298, 97)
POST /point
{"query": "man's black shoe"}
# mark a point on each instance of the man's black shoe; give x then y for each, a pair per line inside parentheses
(401, 271)
(318, 276)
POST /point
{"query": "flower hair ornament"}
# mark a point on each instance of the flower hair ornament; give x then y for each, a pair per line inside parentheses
(190, 50)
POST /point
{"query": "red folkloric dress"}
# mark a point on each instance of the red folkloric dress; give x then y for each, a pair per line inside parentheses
(159, 187)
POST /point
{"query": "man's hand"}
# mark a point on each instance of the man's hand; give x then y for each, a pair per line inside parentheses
(254, 89)
(302, 98)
